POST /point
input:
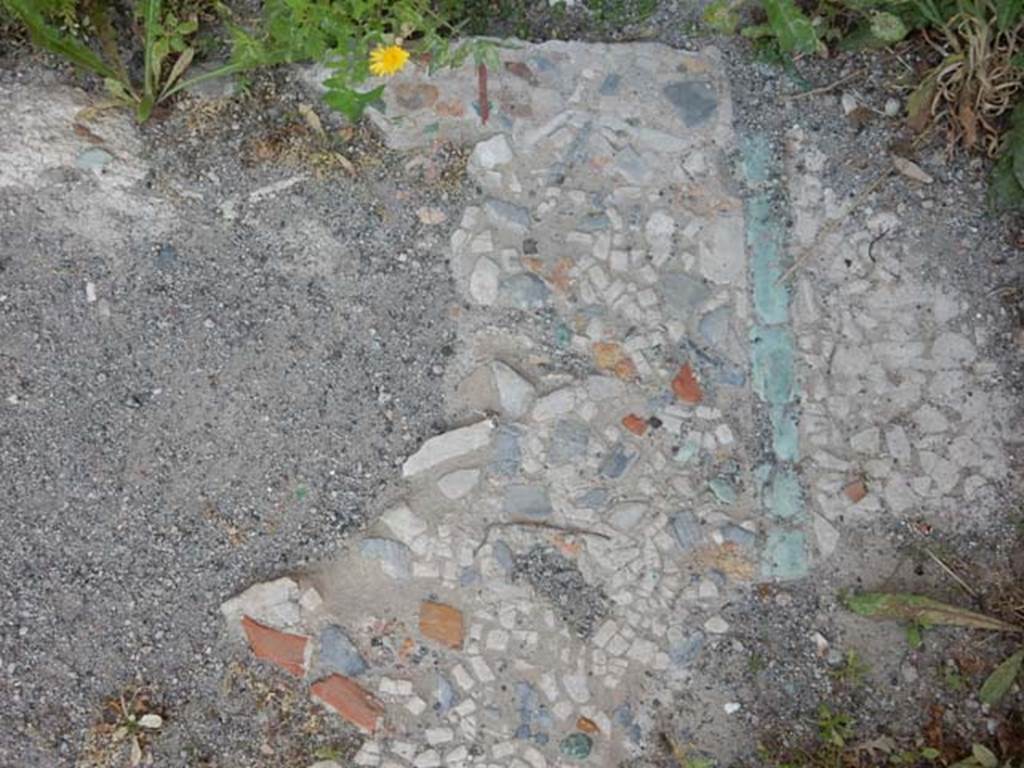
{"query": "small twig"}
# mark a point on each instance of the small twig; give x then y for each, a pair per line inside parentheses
(831, 224)
(963, 584)
(481, 85)
(826, 88)
(877, 238)
(537, 524)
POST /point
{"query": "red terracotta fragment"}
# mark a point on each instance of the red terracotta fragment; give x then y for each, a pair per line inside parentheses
(284, 649)
(635, 424)
(855, 491)
(686, 387)
(441, 623)
(350, 700)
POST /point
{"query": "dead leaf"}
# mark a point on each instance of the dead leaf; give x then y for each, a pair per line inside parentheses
(1001, 680)
(919, 105)
(431, 216)
(911, 170)
(85, 133)
(312, 120)
(922, 610)
(969, 124)
(136, 756)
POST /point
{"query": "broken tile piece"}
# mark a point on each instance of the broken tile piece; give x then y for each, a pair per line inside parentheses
(635, 424)
(284, 649)
(856, 490)
(350, 700)
(686, 387)
(442, 623)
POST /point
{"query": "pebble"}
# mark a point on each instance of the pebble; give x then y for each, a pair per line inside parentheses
(492, 152)
(716, 625)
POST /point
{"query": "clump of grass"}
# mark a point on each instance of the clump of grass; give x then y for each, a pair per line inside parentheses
(980, 72)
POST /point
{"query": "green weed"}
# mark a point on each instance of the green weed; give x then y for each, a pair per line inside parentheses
(167, 51)
(853, 671)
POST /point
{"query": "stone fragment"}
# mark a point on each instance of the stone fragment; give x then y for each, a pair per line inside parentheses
(716, 625)
(526, 501)
(898, 444)
(275, 603)
(569, 441)
(626, 515)
(442, 623)
(493, 152)
(738, 535)
(523, 291)
(681, 294)
(284, 649)
(694, 100)
(724, 260)
(451, 445)
(555, 404)
(586, 725)
(658, 231)
(866, 441)
(686, 387)
(724, 490)
(686, 530)
(413, 96)
(350, 700)
(508, 216)
(507, 455)
(394, 557)
(515, 393)
(483, 282)
(431, 216)
(405, 525)
(826, 536)
(785, 555)
(616, 462)
(339, 654)
(457, 484)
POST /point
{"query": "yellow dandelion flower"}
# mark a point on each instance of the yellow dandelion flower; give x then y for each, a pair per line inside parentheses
(387, 59)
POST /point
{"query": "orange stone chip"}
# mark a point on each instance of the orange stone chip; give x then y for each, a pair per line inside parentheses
(286, 650)
(635, 424)
(609, 357)
(442, 623)
(350, 700)
(587, 725)
(856, 490)
(686, 386)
